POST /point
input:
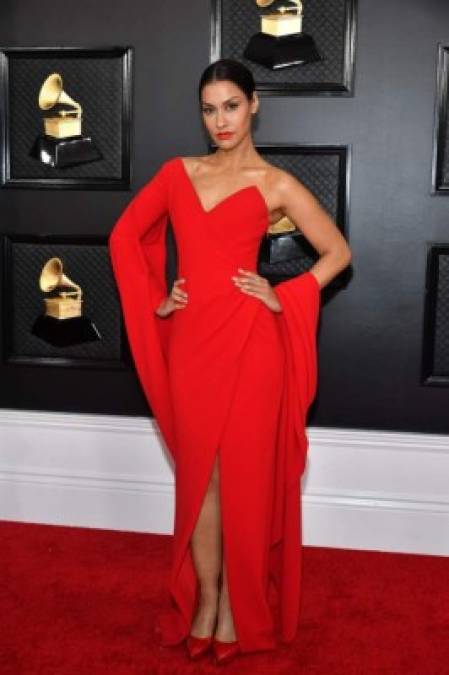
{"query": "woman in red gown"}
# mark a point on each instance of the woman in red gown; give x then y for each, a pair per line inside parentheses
(228, 365)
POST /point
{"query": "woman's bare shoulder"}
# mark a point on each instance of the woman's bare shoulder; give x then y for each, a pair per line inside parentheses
(273, 176)
(281, 179)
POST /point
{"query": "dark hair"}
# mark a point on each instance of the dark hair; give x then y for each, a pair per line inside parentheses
(228, 69)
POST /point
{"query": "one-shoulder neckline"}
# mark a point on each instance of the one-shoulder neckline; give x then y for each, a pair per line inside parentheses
(223, 201)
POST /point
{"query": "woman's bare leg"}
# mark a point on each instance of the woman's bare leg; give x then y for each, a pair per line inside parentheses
(225, 627)
(206, 553)
(206, 544)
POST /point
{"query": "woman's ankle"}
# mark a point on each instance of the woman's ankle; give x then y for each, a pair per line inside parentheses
(205, 616)
(225, 629)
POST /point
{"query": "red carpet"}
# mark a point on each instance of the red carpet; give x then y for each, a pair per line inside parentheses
(81, 602)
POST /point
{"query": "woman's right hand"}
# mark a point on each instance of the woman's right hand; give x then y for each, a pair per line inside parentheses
(176, 300)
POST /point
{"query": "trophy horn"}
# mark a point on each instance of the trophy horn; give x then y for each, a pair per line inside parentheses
(52, 276)
(52, 92)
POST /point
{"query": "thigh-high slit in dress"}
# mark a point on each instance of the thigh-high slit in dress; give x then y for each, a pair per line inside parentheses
(225, 377)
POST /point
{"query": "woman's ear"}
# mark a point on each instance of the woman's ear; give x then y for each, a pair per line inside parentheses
(254, 104)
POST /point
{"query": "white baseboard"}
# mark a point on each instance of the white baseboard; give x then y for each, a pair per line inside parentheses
(377, 490)
(362, 489)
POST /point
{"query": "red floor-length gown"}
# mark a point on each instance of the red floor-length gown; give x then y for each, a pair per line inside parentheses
(223, 375)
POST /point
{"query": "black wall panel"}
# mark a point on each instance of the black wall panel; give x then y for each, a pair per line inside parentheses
(371, 333)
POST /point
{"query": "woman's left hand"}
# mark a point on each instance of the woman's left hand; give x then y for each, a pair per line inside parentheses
(253, 284)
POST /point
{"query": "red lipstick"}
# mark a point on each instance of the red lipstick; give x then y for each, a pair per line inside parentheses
(224, 134)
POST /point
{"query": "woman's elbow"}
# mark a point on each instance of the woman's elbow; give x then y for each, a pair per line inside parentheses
(121, 230)
(347, 255)
(341, 256)
(113, 237)
(343, 253)
(116, 237)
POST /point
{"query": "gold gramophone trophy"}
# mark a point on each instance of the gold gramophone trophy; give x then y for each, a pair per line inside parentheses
(284, 224)
(281, 42)
(62, 143)
(62, 323)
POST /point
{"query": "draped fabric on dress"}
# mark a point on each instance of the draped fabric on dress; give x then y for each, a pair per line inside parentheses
(223, 375)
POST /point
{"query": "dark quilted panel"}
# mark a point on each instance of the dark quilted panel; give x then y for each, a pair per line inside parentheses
(444, 149)
(443, 118)
(86, 265)
(441, 352)
(325, 21)
(318, 172)
(95, 83)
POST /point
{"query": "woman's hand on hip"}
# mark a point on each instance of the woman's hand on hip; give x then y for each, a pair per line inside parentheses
(176, 300)
(253, 284)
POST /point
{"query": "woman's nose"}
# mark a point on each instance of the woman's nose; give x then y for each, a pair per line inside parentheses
(220, 119)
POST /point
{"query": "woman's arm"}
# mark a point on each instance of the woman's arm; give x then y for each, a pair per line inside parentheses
(146, 207)
(300, 205)
(136, 242)
(303, 209)
(137, 250)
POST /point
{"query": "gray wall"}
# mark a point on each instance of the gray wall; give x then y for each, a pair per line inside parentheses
(370, 337)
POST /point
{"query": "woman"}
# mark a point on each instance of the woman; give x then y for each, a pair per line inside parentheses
(228, 365)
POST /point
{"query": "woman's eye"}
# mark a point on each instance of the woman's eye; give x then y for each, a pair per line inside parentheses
(230, 106)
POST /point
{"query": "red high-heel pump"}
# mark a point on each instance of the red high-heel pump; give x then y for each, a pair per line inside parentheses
(225, 651)
(197, 646)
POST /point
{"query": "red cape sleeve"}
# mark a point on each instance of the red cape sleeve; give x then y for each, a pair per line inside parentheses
(138, 254)
(300, 299)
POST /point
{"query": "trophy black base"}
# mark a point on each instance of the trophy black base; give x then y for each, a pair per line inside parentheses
(64, 152)
(281, 52)
(65, 332)
(284, 255)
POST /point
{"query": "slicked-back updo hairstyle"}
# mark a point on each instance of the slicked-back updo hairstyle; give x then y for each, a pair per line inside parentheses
(228, 69)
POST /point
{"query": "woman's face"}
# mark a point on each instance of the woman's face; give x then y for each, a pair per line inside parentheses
(226, 112)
